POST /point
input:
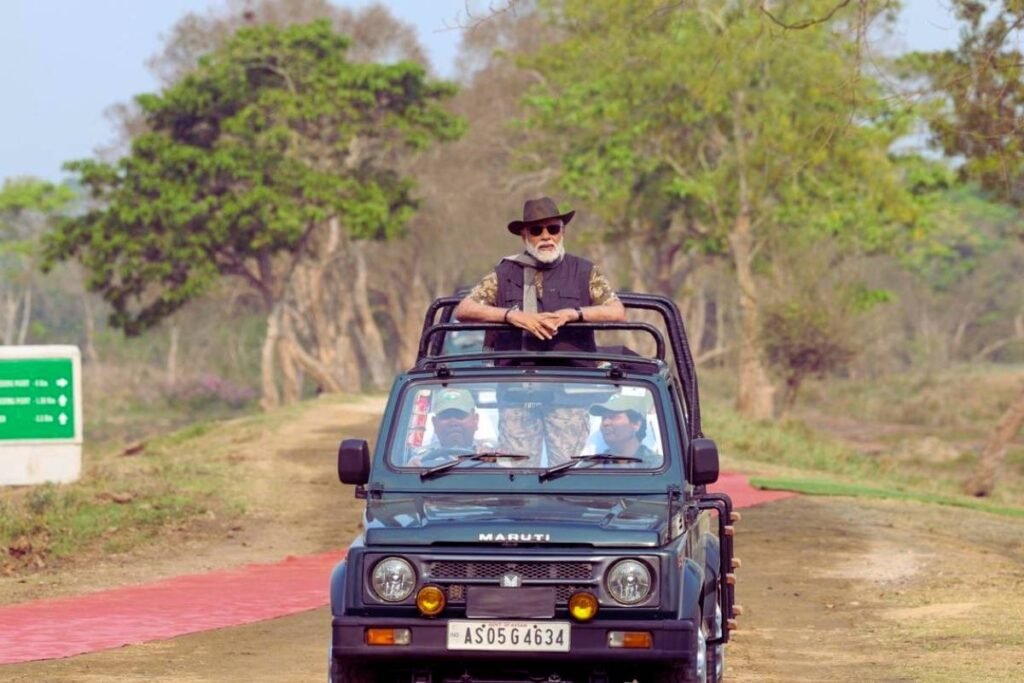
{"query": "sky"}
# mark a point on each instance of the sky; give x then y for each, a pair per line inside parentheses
(64, 62)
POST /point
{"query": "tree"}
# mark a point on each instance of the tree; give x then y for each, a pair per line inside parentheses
(27, 207)
(736, 133)
(978, 119)
(271, 155)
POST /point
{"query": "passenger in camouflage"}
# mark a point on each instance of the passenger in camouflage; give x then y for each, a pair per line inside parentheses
(526, 429)
(539, 291)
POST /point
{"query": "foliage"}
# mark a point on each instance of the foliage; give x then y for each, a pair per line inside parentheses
(807, 338)
(27, 209)
(981, 87)
(21, 201)
(747, 137)
(28, 194)
(687, 103)
(271, 135)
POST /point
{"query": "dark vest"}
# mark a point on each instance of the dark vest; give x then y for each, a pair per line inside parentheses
(567, 285)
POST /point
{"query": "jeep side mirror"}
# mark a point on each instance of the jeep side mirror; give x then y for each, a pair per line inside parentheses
(703, 462)
(354, 461)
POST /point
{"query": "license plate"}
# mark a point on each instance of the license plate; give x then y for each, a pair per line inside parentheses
(516, 636)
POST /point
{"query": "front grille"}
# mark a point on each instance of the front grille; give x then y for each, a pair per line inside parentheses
(455, 570)
(456, 593)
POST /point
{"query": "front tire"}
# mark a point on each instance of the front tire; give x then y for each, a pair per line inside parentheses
(342, 671)
(716, 653)
(696, 669)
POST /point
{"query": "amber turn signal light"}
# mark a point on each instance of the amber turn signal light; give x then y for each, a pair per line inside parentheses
(388, 636)
(640, 640)
(430, 601)
(582, 606)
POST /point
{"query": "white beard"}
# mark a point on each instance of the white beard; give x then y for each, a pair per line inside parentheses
(546, 256)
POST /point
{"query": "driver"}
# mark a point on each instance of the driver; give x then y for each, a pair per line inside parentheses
(624, 426)
(455, 423)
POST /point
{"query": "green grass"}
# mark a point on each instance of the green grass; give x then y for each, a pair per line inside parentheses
(122, 501)
(821, 487)
(925, 432)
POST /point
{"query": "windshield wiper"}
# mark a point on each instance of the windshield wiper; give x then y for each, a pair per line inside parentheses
(591, 459)
(459, 459)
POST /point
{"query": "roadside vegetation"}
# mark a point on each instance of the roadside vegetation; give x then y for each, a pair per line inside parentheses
(134, 494)
(910, 436)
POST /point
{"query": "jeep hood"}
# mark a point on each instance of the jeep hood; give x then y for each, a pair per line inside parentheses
(397, 519)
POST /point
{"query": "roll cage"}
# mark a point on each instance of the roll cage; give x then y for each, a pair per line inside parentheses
(438, 324)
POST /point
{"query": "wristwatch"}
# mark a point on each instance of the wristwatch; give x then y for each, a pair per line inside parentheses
(579, 314)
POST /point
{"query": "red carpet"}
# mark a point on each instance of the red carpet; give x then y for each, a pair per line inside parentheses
(50, 629)
(742, 493)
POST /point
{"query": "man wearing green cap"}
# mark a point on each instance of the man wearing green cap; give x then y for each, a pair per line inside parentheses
(624, 426)
(455, 423)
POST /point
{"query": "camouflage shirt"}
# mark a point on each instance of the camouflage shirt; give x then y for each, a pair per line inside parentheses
(486, 291)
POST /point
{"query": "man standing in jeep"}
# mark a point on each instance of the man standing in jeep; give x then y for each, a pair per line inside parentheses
(542, 288)
(539, 290)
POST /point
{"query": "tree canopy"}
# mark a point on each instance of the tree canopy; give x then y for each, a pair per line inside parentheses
(272, 135)
(739, 133)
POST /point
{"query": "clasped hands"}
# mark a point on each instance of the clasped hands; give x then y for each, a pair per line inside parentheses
(542, 325)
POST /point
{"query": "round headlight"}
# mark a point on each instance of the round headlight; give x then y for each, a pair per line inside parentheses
(393, 579)
(629, 581)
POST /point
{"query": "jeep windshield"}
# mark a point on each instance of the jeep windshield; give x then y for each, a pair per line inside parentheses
(451, 426)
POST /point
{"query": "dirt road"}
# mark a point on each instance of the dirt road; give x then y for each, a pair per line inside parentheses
(834, 589)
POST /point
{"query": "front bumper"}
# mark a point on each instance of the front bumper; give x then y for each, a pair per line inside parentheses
(672, 641)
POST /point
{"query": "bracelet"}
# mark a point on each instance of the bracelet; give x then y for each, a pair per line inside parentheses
(579, 314)
(505, 319)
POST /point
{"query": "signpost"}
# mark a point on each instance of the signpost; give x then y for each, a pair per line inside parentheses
(40, 414)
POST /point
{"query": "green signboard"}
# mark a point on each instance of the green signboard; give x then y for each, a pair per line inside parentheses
(36, 399)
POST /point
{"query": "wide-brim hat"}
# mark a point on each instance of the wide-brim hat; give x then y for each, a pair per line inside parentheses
(537, 211)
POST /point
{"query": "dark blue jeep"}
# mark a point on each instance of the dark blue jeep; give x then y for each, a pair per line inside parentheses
(538, 516)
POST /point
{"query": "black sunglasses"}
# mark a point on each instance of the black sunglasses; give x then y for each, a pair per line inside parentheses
(537, 230)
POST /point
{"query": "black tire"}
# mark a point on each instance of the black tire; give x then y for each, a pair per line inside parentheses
(350, 672)
(690, 671)
(715, 654)
(712, 665)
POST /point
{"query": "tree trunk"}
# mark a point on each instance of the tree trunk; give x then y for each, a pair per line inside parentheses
(696, 322)
(755, 394)
(720, 347)
(26, 316)
(982, 481)
(270, 398)
(408, 297)
(172, 355)
(91, 355)
(321, 374)
(291, 382)
(10, 316)
(371, 342)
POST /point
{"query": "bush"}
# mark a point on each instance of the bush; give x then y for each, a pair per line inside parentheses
(208, 390)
